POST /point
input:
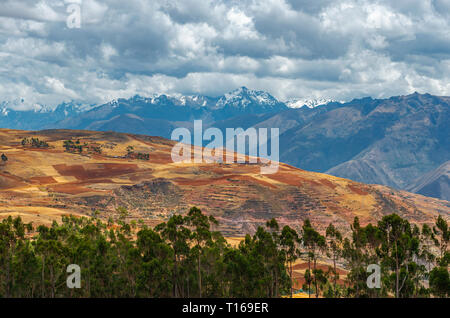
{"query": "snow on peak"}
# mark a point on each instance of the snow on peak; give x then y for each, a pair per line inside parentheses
(308, 102)
(19, 104)
(69, 108)
(244, 96)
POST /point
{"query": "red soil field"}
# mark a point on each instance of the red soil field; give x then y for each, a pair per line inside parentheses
(42, 180)
(328, 183)
(95, 171)
(70, 189)
(357, 190)
(160, 158)
(9, 181)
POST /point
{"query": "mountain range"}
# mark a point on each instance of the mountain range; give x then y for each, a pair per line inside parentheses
(402, 142)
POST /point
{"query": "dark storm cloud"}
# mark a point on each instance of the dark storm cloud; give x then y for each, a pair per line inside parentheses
(292, 48)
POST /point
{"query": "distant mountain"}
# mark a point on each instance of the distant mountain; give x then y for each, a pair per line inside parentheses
(39, 117)
(311, 103)
(434, 184)
(138, 114)
(383, 141)
(392, 142)
(156, 115)
(386, 141)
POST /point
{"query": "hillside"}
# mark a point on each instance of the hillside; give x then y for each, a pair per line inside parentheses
(435, 183)
(41, 184)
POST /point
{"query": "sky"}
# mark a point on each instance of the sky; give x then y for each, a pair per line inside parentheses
(291, 49)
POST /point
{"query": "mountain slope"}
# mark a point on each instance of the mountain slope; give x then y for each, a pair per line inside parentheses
(435, 183)
(42, 184)
(390, 142)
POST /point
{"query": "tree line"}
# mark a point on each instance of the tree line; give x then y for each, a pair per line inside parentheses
(187, 257)
(34, 143)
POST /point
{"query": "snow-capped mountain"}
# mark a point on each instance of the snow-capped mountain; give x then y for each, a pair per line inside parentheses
(308, 102)
(242, 97)
(36, 116)
(20, 104)
(171, 108)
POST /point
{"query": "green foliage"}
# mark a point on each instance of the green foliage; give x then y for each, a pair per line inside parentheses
(182, 257)
(440, 282)
(314, 243)
(123, 213)
(185, 257)
(72, 146)
(34, 143)
(136, 155)
(334, 245)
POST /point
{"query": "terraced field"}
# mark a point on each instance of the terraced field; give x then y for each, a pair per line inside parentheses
(42, 184)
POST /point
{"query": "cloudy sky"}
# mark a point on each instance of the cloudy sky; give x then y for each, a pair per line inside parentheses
(304, 48)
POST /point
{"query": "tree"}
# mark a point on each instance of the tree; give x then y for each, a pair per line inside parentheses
(321, 279)
(123, 213)
(183, 257)
(289, 240)
(335, 249)
(399, 246)
(359, 252)
(426, 239)
(441, 231)
(274, 229)
(314, 242)
(154, 275)
(130, 150)
(12, 231)
(200, 234)
(440, 281)
(176, 234)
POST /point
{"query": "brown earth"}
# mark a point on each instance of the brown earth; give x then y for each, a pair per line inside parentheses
(44, 184)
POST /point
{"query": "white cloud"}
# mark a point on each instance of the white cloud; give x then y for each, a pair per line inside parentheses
(302, 48)
(59, 88)
(240, 25)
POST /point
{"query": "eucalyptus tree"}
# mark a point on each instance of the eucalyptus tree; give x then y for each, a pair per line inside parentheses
(399, 247)
(200, 233)
(442, 234)
(335, 241)
(314, 242)
(177, 234)
(289, 241)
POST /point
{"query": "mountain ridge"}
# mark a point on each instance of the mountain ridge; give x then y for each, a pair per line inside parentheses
(434, 183)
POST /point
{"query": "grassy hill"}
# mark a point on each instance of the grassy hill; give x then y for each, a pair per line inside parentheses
(43, 183)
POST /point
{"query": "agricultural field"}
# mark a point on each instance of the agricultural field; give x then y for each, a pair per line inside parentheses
(43, 184)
